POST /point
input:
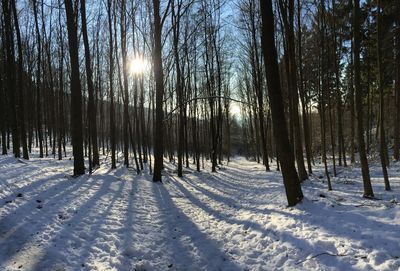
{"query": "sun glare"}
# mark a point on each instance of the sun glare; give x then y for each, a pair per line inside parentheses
(137, 65)
(235, 109)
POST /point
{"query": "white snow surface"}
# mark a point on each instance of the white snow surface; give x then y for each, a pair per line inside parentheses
(235, 219)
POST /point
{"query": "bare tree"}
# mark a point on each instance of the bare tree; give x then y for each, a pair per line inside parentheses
(89, 79)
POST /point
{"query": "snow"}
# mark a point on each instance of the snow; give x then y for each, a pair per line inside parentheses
(235, 219)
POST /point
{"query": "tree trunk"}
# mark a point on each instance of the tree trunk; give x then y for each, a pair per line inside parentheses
(322, 91)
(288, 19)
(111, 86)
(10, 76)
(396, 147)
(20, 89)
(89, 79)
(368, 192)
(179, 87)
(76, 92)
(290, 177)
(302, 92)
(60, 106)
(38, 82)
(159, 78)
(125, 84)
(382, 139)
(352, 107)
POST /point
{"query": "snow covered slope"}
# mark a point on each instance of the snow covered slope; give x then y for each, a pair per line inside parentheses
(235, 219)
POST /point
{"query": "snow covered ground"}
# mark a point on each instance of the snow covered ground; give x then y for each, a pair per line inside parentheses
(235, 219)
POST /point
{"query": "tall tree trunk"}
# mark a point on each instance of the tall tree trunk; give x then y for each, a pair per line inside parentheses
(60, 106)
(38, 82)
(382, 139)
(179, 87)
(159, 78)
(396, 147)
(10, 76)
(111, 85)
(293, 66)
(322, 91)
(20, 89)
(368, 192)
(302, 92)
(76, 92)
(3, 110)
(258, 85)
(352, 107)
(337, 56)
(288, 19)
(125, 84)
(137, 129)
(89, 79)
(290, 177)
(331, 131)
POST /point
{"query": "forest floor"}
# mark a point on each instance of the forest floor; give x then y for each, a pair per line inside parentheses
(235, 219)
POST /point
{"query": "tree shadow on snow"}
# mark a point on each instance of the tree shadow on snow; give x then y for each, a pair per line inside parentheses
(83, 231)
(191, 245)
(14, 225)
(274, 234)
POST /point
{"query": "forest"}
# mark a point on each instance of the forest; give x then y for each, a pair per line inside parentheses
(200, 135)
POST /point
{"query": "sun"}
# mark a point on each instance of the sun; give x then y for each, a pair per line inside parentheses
(235, 109)
(137, 65)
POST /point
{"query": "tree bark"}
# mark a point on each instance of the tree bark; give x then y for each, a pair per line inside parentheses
(382, 136)
(20, 89)
(159, 78)
(368, 192)
(286, 157)
(125, 84)
(396, 147)
(287, 10)
(322, 91)
(89, 79)
(111, 86)
(76, 92)
(302, 92)
(10, 76)
(38, 82)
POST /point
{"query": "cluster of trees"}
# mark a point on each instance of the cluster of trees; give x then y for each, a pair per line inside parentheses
(312, 79)
(340, 79)
(75, 82)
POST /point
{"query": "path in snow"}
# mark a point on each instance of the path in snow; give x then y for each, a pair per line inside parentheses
(235, 219)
